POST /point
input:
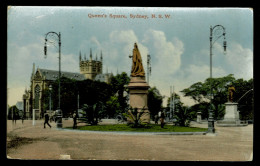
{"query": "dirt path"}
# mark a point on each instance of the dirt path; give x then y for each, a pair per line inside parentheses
(230, 144)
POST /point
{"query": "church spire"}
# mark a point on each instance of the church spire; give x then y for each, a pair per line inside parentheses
(90, 54)
(101, 56)
(79, 56)
(33, 71)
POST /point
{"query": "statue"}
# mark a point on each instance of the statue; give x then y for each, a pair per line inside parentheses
(138, 88)
(137, 66)
(231, 91)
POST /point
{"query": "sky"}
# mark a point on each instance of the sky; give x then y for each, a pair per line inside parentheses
(177, 39)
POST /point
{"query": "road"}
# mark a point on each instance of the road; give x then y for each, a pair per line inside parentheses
(25, 141)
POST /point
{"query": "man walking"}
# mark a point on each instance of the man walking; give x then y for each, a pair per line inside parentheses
(46, 120)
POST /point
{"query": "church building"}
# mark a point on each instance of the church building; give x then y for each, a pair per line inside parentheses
(41, 79)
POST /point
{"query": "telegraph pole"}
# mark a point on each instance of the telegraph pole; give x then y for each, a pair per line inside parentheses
(149, 68)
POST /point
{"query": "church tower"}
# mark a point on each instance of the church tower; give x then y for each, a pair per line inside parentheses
(90, 68)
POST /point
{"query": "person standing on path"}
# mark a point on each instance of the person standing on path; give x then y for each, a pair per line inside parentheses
(46, 120)
(162, 116)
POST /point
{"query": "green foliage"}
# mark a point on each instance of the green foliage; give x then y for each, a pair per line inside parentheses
(183, 115)
(90, 92)
(68, 96)
(92, 113)
(200, 93)
(148, 128)
(14, 112)
(135, 117)
(220, 110)
(154, 101)
(202, 107)
(177, 101)
(112, 107)
(118, 85)
(245, 95)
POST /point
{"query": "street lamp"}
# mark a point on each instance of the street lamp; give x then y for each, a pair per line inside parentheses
(172, 102)
(216, 32)
(59, 114)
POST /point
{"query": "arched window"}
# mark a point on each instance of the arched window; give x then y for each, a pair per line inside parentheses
(37, 96)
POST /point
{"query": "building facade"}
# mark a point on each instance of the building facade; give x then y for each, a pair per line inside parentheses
(41, 79)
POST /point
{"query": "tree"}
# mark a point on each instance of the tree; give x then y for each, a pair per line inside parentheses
(200, 93)
(154, 101)
(244, 96)
(202, 107)
(183, 115)
(112, 107)
(93, 113)
(90, 92)
(68, 96)
(118, 84)
(176, 101)
(14, 113)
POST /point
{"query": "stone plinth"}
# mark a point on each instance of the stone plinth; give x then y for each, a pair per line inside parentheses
(198, 117)
(138, 90)
(231, 117)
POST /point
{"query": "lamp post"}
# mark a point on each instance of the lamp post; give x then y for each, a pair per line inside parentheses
(216, 32)
(172, 102)
(59, 114)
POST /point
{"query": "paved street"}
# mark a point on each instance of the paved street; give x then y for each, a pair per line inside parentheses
(26, 141)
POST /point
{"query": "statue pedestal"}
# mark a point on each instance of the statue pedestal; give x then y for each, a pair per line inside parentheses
(231, 117)
(138, 90)
(198, 117)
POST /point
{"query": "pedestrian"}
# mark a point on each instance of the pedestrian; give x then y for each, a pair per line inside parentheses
(156, 118)
(46, 120)
(162, 119)
(74, 120)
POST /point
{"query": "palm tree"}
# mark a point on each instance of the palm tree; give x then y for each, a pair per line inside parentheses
(134, 117)
(92, 113)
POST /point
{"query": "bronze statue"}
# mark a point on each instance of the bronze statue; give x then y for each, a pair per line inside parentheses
(231, 91)
(137, 66)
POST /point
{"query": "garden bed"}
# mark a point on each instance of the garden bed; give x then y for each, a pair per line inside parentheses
(148, 128)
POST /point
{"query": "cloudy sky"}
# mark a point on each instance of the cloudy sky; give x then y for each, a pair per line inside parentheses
(178, 43)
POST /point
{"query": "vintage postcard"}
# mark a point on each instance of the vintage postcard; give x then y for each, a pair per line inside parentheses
(129, 83)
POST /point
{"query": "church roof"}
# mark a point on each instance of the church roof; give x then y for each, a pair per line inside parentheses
(103, 77)
(53, 75)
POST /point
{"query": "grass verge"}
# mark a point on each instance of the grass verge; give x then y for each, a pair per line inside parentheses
(149, 128)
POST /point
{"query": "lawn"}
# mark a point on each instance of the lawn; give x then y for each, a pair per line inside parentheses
(150, 128)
